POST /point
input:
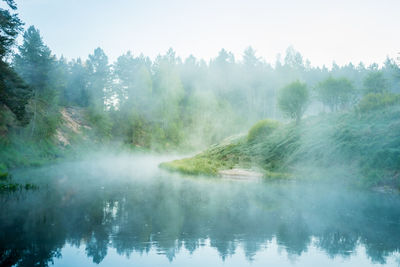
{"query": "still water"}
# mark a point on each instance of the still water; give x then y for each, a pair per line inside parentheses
(124, 211)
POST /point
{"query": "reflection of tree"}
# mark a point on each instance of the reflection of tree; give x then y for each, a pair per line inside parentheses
(336, 243)
(30, 236)
(96, 246)
(165, 216)
(295, 237)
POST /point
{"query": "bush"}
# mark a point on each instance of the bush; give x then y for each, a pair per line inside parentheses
(261, 129)
(373, 101)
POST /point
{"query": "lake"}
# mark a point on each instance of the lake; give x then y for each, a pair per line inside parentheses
(125, 211)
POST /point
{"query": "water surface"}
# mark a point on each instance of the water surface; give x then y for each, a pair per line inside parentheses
(124, 211)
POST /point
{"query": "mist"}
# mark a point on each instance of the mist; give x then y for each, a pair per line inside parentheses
(220, 134)
(132, 208)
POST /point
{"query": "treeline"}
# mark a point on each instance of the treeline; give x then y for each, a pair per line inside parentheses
(338, 94)
(166, 102)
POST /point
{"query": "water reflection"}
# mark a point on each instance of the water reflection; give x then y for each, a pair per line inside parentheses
(98, 206)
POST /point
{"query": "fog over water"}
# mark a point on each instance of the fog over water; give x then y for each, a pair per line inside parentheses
(286, 115)
(123, 210)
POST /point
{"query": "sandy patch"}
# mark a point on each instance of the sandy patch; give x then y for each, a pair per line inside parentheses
(240, 174)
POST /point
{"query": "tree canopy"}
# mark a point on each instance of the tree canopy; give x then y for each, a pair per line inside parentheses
(14, 93)
(293, 100)
(375, 82)
(336, 93)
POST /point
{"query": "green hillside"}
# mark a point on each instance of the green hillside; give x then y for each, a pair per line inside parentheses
(360, 145)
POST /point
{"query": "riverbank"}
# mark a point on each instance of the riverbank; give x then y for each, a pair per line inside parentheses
(358, 147)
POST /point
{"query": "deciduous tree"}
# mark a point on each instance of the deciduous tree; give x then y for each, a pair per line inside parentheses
(293, 100)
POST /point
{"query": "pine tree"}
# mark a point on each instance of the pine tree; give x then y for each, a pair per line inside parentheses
(14, 93)
(34, 63)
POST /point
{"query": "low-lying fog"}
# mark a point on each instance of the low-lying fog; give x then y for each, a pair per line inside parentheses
(119, 210)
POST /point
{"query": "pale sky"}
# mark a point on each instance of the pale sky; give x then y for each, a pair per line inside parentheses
(322, 31)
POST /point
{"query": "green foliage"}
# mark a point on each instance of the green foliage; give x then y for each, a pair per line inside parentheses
(362, 150)
(193, 166)
(7, 121)
(22, 151)
(46, 117)
(135, 84)
(12, 187)
(293, 100)
(336, 93)
(262, 129)
(98, 71)
(10, 26)
(76, 88)
(7, 185)
(375, 82)
(269, 154)
(100, 121)
(165, 104)
(373, 101)
(3, 171)
(14, 93)
(34, 63)
(218, 157)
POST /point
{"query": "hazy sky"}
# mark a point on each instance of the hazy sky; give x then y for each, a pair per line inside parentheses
(323, 31)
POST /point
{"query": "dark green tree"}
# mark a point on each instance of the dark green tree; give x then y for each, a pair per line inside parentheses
(34, 63)
(132, 86)
(169, 93)
(10, 27)
(14, 93)
(100, 98)
(76, 91)
(98, 78)
(59, 78)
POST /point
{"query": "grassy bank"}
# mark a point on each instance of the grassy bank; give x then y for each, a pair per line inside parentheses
(224, 155)
(363, 146)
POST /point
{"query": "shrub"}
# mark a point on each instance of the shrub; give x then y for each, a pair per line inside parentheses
(373, 101)
(261, 129)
